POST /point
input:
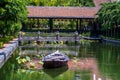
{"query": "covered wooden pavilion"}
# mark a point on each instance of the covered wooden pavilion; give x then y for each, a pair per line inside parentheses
(77, 14)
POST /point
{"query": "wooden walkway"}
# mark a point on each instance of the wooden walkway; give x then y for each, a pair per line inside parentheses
(73, 38)
(50, 39)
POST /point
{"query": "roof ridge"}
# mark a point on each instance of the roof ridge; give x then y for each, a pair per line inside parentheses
(57, 7)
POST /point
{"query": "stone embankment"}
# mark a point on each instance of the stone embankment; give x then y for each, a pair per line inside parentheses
(111, 41)
(7, 51)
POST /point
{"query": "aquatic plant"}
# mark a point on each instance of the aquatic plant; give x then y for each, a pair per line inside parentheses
(40, 62)
(32, 65)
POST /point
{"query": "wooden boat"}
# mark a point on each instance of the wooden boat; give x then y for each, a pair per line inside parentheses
(54, 60)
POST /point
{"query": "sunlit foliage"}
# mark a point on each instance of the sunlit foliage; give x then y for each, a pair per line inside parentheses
(61, 2)
(12, 14)
(109, 15)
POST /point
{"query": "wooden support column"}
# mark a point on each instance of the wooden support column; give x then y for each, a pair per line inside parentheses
(51, 24)
(80, 26)
(76, 24)
(30, 23)
(33, 20)
(38, 23)
(92, 32)
(99, 28)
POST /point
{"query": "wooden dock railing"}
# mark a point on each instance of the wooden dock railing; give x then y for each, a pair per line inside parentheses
(39, 38)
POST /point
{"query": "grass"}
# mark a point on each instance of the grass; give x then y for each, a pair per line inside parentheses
(87, 34)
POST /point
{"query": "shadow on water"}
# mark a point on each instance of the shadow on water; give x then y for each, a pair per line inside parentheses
(56, 71)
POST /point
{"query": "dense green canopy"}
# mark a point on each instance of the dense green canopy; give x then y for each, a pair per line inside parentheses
(109, 15)
(12, 14)
(61, 2)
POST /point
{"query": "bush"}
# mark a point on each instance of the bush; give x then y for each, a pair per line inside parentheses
(86, 34)
(9, 38)
(6, 39)
(1, 44)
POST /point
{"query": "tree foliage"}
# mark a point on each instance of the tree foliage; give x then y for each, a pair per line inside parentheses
(61, 2)
(109, 15)
(12, 14)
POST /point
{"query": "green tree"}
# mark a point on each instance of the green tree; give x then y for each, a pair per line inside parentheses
(12, 14)
(61, 2)
(109, 15)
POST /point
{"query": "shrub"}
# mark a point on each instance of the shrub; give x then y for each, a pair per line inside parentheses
(6, 39)
(1, 44)
(86, 34)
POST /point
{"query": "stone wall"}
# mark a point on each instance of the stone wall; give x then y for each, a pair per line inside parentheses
(7, 51)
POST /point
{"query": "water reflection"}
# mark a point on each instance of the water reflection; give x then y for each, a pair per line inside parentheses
(91, 61)
(55, 72)
(92, 58)
(47, 49)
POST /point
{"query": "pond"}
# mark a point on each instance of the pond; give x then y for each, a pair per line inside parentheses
(88, 61)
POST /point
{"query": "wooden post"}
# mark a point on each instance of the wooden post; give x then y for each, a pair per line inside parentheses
(76, 36)
(38, 23)
(80, 26)
(76, 53)
(19, 38)
(38, 37)
(20, 50)
(77, 24)
(57, 36)
(31, 23)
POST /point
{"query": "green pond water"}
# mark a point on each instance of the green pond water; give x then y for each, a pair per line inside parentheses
(104, 60)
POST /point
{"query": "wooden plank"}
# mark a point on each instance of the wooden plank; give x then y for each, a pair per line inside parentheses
(49, 39)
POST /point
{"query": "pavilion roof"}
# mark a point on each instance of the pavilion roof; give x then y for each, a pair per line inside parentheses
(62, 12)
(65, 12)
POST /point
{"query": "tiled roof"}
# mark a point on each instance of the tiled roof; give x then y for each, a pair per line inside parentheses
(65, 12)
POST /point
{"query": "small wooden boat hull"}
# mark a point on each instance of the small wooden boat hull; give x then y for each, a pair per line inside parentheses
(54, 60)
(54, 64)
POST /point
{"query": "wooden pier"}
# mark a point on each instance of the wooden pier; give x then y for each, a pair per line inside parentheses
(39, 38)
(73, 38)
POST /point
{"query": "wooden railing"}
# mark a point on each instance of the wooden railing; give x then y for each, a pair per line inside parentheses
(39, 38)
